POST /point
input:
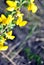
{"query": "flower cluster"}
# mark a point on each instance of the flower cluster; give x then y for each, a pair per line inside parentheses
(13, 17)
(32, 7)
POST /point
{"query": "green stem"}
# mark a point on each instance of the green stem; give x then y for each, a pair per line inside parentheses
(4, 29)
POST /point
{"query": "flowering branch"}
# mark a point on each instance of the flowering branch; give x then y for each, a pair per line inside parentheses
(13, 18)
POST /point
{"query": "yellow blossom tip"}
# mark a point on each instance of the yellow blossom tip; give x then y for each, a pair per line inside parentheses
(3, 48)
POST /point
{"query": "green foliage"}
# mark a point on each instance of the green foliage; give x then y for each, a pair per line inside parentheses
(32, 56)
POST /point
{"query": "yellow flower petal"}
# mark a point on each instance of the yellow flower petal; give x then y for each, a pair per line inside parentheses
(34, 8)
(29, 7)
(3, 48)
(31, 1)
(10, 8)
(23, 23)
(19, 20)
(11, 3)
(0, 19)
(6, 20)
(3, 17)
(2, 40)
(1, 44)
(9, 35)
(9, 19)
(19, 14)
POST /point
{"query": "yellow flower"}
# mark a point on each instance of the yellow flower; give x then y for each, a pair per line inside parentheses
(9, 35)
(20, 22)
(6, 20)
(31, 1)
(9, 19)
(2, 40)
(1, 44)
(19, 14)
(0, 19)
(12, 5)
(32, 7)
(2, 47)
